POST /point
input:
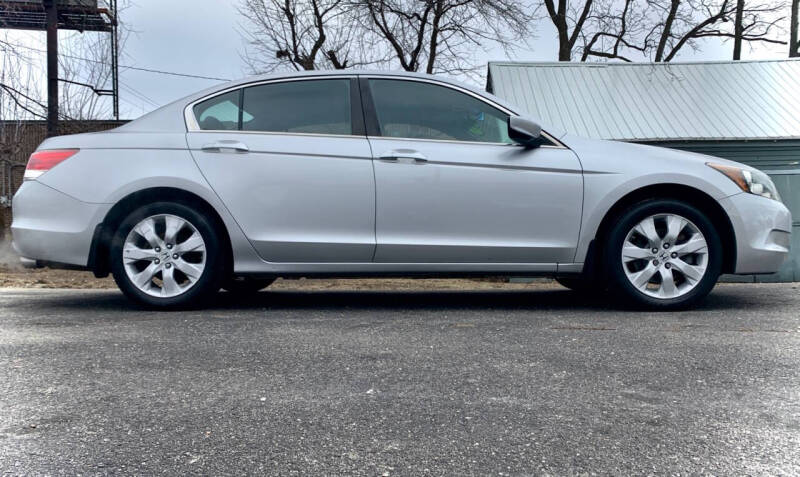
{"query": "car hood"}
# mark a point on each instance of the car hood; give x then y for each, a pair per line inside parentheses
(660, 157)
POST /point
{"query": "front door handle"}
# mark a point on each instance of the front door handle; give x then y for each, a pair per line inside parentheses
(403, 155)
(226, 144)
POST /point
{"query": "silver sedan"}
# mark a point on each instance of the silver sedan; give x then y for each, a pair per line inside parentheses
(375, 174)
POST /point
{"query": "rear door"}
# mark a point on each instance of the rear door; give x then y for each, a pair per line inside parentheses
(291, 162)
(451, 187)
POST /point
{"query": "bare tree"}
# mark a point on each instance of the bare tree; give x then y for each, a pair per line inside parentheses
(21, 95)
(85, 74)
(661, 29)
(403, 25)
(415, 35)
(756, 22)
(19, 100)
(681, 23)
(738, 30)
(301, 34)
(84, 69)
(613, 34)
(794, 41)
(569, 20)
(442, 36)
(79, 80)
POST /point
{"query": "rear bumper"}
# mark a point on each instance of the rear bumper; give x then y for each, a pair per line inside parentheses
(50, 226)
(763, 232)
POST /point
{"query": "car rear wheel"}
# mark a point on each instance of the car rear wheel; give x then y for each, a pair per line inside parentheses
(663, 254)
(167, 255)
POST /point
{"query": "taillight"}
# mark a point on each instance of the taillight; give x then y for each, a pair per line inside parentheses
(42, 161)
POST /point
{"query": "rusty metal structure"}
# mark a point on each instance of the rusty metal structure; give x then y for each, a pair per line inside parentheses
(54, 15)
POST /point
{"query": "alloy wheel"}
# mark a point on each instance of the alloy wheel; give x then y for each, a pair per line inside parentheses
(665, 256)
(164, 255)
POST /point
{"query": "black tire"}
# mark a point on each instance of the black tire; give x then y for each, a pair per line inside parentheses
(210, 279)
(615, 275)
(246, 285)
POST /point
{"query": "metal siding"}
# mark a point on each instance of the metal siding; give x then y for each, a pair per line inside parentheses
(658, 101)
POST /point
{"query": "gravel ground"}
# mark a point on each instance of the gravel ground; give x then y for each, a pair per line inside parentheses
(488, 382)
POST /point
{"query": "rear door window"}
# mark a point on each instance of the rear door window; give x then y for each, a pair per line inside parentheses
(308, 106)
(220, 113)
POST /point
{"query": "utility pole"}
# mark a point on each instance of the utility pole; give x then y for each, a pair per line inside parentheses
(794, 41)
(51, 12)
(115, 59)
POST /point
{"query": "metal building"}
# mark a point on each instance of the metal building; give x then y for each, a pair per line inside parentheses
(747, 111)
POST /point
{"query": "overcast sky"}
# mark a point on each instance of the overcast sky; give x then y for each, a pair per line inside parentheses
(201, 37)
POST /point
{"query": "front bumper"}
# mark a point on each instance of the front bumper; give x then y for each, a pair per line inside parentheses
(50, 226)
(763, 232)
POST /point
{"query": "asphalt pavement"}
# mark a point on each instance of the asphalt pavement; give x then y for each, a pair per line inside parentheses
(400, 383)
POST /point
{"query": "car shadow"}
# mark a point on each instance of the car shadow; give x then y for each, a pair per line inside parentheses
(405, 300)
(532, 300)
(550, 299)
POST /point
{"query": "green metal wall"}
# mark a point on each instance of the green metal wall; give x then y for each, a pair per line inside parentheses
(781, 160)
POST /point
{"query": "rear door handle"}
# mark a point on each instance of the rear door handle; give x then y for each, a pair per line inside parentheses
(226, 144)
(403, 155)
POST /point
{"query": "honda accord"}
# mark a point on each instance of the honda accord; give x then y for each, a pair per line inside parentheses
(375, 174)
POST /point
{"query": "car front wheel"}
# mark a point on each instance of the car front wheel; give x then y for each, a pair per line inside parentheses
(167, 255)
(663, 254)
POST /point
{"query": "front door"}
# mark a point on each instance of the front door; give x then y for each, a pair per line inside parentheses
(292, 164)
(451, 187)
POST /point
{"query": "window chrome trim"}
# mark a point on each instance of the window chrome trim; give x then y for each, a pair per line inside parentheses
(556, 143)
(446, 85)
(193, 126)
(279, 133)
(456, 141)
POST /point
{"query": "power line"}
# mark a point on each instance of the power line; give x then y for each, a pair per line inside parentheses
(139, 95)
(133, 104)
(148, 70)
(173, 73)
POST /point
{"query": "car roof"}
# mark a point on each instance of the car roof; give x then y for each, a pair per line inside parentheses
(170, 118)
(356, 72)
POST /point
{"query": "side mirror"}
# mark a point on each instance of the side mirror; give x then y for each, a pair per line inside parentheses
(524, 131)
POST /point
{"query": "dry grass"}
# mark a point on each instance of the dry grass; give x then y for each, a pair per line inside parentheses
(18, 277)
(13, 275)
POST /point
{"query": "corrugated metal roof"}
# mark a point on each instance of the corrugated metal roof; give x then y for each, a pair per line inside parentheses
(658, 101)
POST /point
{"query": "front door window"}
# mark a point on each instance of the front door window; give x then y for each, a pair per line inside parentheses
(419, 110)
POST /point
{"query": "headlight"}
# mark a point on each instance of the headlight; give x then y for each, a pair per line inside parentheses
(752, 181)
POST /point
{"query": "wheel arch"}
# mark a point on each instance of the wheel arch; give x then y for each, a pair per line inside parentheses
(694, 197)
(104, 232)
